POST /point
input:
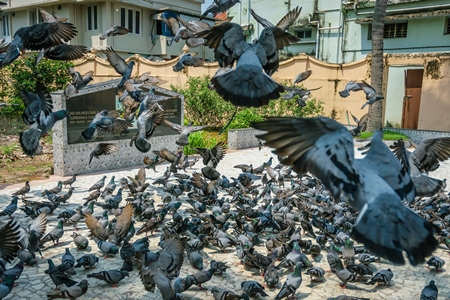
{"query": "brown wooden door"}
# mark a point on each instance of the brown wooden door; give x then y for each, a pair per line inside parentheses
(411, 100)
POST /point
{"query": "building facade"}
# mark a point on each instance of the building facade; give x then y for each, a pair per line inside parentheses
(148, 35)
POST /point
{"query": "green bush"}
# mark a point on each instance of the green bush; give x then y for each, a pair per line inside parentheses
(23, 74)
(199, 139)
(205, 106)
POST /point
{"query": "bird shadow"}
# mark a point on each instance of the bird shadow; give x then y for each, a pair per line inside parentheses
(57, 245)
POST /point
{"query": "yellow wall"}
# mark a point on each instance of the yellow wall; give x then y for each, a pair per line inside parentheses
(331, 77)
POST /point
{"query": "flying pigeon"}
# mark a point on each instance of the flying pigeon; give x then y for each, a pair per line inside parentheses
(284, 23)
(103, 149)
(186, 59)
(119, 64)
(246, 85)
(219, 6)
(113, 31)
(371, 94)
(371, 185)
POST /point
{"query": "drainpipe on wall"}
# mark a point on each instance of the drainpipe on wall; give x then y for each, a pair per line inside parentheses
(401, 9)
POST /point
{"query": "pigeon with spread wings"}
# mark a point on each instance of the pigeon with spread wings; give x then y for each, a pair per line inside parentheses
(375, 185)
(246, 85)
(114, 30)
(185, 131)
(103, 149)
(371, 94)
(284, 23)
(105, 121)
(119, 64)
(423, 159)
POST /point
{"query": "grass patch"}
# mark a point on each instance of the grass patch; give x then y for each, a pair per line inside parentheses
(387, 135)
(203, 139)
(8, 150)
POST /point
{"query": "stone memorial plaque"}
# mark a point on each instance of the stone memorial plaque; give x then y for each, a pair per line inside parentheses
(84, 107)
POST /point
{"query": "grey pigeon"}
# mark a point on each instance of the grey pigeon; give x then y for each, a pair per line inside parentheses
(284, 23)
(50, 18)
(430, 292)
(219, 6)
(186, 59)
(224, 294)
(72, 292)
(107, 248)
(87, 261)
(425, 158)
(105, 121)
(383, 277)
(80, 81)
(246, 85)
(11, 208)
(292, 283)
(253, 288)
(68, 259)
(98, 185)
(6, 286)
(32, 235)
(371, 94)
(184, 131)
(15, 271)
(113, 31)
(370, 184)
(103, 149)
(55, 234)
(37, 37)
(436, 262)
(146, 123)
(361, 124)
(23, 190)
(57, 275)
(315, 273)
(119, 64)
(80, 241)
(111, 276)
(302, 76)
(271, 276)
(62, 52)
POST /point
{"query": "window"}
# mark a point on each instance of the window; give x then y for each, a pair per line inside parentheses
(392, 30)
(447, 25)
(5, 25)
(304, 34)
(131, 19)
(92, 17)
(32, 17)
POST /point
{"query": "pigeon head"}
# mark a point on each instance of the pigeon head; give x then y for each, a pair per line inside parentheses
(61, 114)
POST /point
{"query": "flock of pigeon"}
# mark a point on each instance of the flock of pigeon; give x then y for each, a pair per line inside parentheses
(320, 199)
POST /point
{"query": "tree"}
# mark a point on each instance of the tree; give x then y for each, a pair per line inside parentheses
(376, 109)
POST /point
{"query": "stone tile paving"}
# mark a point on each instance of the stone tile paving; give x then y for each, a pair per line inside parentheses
(407, 283)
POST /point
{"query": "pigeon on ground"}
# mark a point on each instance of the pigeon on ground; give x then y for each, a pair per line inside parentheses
(436, 262)
(371, 185)
(111, 276)
(57, 275)
(31, 236)
(72, 292)
(11, 208)
(23, 190)
(430, 292)
(98, 185)
(292, 283)
(105, 121)
(15, 271)
(285, 22)
(113, 31)
(371, 94)
(119, 64)
(54, 235)
(219, 6)
(247, 84)
(70, 181)
(186, 59)
(80, 241)
(253, 288)
(87, 261)
(224, 294)
(315, 273)
(6, 286)
(103, 149)
(383, 277)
